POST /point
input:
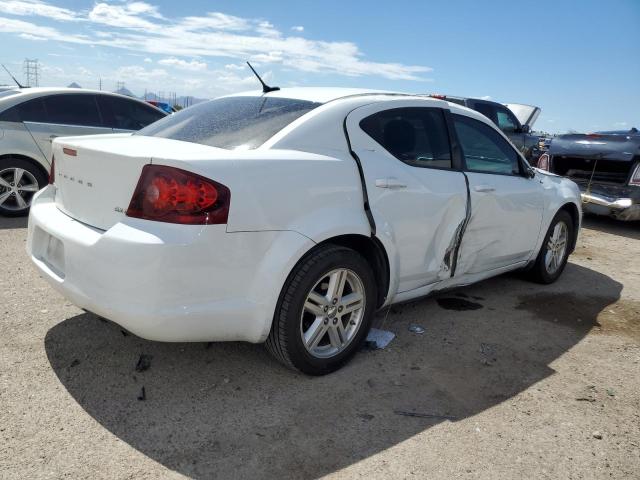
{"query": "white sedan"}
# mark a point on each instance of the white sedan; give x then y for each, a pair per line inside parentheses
(290, 217)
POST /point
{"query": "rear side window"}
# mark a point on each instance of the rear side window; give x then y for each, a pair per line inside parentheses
(29, 111)
(125, 114)
(231, 122)
(485, 150)
(416, 136)
(73, 109)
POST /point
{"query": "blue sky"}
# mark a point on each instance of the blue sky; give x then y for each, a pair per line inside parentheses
(578, 60)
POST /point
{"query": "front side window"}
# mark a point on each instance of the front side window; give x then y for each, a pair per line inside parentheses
(231, 122)
(485, 150)
(506, 122)
(417, 136)
(125, 114)
(73, 109)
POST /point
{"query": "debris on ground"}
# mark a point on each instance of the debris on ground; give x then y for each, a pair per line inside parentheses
(424, 415)
(144, 362)
(418, 329)
(587, 395)
(75, 363)
(378, 339)
(143, 395)
(489, 354)
(611, 392)
(597, 435)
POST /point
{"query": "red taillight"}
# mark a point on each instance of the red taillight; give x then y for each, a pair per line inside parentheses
(168, 194)
(52, 172)
(438, 96)
(635, 178)
(543, 162)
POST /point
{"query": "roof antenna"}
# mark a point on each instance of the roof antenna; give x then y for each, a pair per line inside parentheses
(265, 88)
(14, 78)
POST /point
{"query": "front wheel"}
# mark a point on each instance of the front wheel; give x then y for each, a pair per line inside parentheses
(554, 252)
(324, 311)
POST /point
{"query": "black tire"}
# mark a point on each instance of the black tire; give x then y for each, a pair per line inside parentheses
(540, 272)
(10, 206)
(285, 341)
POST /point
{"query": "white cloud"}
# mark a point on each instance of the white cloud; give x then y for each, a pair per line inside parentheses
(139, 27)
(136, 72)
(620, 124)
(298, 28)
(193, 65)
(36, 8)
(486, 97)
(147, 60)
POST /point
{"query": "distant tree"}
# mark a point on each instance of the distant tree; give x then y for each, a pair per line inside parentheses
(177, 107)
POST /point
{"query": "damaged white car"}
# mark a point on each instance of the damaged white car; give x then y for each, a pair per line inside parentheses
(289, 217)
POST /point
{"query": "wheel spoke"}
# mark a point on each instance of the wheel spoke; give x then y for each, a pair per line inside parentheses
(4, 183)
(336, 284)
(4, 196)
(351, 302)
(315, 304)
(28, 188)
(20, 201)
(334, 338)
(314, 333)
(17, 175)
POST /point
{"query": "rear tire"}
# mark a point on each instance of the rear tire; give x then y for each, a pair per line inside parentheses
(19, 181)
(554, 251)
(324, 312)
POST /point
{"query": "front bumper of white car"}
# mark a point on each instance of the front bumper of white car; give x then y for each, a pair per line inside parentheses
(164, 281)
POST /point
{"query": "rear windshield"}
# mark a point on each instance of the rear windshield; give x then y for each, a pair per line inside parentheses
(231, 122)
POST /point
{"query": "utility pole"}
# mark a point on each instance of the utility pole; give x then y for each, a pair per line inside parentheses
(31, 69)
(100, 83)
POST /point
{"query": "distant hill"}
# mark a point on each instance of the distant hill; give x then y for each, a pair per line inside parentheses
(125, 91)
(73, 85)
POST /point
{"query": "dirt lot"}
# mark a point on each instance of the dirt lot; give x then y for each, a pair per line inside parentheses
(517, 381)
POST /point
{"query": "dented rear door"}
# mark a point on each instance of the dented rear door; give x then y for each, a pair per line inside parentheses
(417, 200)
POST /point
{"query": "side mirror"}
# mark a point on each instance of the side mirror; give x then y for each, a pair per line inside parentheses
(530, 173)
(525, 129)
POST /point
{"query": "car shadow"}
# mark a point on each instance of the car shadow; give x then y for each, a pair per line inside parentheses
(228, 410)
(8, 223)
(611, 225)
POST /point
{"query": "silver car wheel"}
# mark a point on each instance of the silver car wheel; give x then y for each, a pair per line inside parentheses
(17, 187)
(332, 313)
(556, 248)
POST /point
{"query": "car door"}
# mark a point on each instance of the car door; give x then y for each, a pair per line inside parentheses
(506, 204)
(416, 191)
(65, 115)
(127, 115)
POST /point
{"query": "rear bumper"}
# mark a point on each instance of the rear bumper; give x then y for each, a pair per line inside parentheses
(163, 281)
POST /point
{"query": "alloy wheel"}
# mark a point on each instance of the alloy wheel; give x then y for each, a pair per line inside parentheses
(17, 187)
(556, 247)
(332, 313)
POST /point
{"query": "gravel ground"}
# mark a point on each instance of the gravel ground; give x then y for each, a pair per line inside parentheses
(512, 379)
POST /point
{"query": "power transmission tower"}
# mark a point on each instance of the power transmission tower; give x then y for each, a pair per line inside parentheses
(119, 86)
(31, 69)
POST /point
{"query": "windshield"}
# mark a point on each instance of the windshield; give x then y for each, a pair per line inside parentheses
(230, 122)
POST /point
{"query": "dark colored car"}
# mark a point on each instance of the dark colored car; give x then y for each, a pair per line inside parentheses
(606, 167)
(515, 120)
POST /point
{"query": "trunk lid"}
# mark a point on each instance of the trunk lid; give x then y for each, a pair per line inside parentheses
(95, 176)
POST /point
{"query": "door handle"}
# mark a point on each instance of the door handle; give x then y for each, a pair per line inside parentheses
(390, 182)
(484, 188)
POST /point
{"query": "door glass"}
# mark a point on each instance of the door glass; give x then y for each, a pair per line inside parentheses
(73, 109)
(31, 111)
(506, 122)
(124, 114)
(485, 150)
(416, 136)
(487, 110)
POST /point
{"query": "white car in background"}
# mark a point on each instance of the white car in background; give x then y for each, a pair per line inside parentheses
(292, 216)
(30, 118)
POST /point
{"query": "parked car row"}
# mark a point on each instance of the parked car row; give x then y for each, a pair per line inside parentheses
(30, 118)
(290, 216)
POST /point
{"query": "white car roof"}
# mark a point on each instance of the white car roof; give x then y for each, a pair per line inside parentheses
(19, 95)
(319, 94)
